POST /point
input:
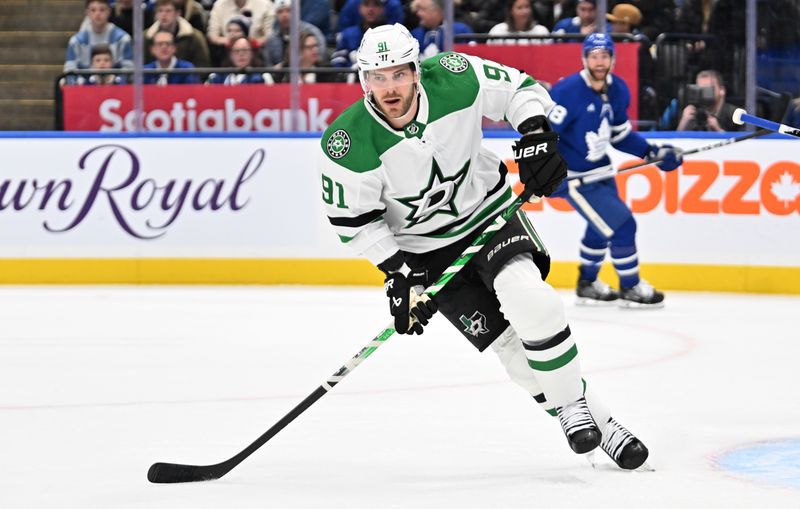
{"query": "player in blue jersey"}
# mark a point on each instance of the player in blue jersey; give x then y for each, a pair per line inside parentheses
(591, 113)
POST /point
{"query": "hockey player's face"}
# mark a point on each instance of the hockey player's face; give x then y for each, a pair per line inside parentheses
(598, 63)
(392, 89)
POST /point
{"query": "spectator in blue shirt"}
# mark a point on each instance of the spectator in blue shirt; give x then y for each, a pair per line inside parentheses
(429, 33)
(99, 31)
(583, 23)
(163, 51)
(350, 15)
(349, 40)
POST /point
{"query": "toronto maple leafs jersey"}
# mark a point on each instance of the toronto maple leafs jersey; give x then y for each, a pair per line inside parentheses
(431, 183)
(588, 121)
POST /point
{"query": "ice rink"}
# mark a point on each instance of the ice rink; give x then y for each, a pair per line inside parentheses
(100, 382)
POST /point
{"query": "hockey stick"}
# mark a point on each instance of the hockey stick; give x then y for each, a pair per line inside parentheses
(741, 117)
(606, 172)
(177, 473)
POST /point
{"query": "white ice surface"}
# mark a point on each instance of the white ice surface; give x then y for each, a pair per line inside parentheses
(100, 382)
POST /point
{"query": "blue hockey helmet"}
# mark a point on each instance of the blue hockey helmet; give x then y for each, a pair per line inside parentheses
(598, 41)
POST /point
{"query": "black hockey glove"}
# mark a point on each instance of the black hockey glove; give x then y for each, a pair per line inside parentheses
(411, 310)
(541, 167)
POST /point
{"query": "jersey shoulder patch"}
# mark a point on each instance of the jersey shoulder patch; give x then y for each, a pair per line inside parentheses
(450, 83)
(356, 141)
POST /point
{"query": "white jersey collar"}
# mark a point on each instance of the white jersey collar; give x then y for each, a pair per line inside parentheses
(588, 81)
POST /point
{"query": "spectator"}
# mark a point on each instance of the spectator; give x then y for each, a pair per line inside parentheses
(481, 15)
(658, 16)
(274, 49)
(99, 31)
(101, 58)
(624, 19)
(190, 45)
(194, 13)
(583, 23)
(163, 50)
(317, 13)
(122, 15)
(550, 12)
(520, 20)
(711, 116)
(349, 40)
(261, 12)
(310, 56)
(429, 33)
(350, 16)
(241, 55)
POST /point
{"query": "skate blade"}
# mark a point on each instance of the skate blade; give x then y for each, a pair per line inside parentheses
(645, 467)
(586, 301)
(590, 458)
(628, 304)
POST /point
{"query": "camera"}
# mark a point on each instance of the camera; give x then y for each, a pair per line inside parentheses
(701, 98)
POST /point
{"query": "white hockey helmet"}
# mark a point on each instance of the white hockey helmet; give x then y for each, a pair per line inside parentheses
(386, 46)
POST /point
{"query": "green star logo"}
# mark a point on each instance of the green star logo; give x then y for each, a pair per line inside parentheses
(338, 144)
(438, 197)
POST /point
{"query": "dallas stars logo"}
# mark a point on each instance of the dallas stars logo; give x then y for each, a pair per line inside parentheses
(476, 324)
(438, 197)
(454, 63)
(338, 144)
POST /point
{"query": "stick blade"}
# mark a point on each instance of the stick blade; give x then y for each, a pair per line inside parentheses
(170, 473)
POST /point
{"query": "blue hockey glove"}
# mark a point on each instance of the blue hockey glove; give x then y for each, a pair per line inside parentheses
(672, 157)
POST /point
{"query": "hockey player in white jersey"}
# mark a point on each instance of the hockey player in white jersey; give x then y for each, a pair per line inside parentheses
(407, 184)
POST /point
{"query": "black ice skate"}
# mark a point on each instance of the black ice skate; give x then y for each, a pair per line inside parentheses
(594, 293)
(627, 451)
(643, 295)
(579, 426)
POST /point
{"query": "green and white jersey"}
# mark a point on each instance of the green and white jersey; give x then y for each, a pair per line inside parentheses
(431, 183)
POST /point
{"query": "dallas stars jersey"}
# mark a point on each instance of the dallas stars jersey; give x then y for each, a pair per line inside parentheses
(431, 183)
(587, 121)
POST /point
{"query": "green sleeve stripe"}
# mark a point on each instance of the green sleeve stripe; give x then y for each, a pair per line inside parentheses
(344, 239)
(529, 82)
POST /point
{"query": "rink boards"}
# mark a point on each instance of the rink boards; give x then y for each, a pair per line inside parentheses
(86, 208)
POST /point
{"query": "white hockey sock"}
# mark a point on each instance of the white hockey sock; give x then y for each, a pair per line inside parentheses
(536, 313)
(509, 350)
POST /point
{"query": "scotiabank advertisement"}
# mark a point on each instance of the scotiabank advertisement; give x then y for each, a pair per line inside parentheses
(201, 108)
(266, 108)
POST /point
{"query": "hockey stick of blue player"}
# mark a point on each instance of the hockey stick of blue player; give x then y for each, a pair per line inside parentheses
(741, 117)
(178, 473)
(607, 172)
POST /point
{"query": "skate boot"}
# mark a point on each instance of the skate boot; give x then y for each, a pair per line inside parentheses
(594, 293)
(643, 295)
(579, 426)
(627, 451)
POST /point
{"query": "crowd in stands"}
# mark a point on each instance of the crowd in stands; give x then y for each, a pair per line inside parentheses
(181, 34)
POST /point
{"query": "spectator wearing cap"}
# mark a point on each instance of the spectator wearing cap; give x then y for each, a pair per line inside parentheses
(163, 51)
(350, 14)
(190, 45)
(347, 42)
(99, 31)
(275, 47)
(658, 16)
(520, 20)
(430, 33)
(583, 23)
(260, 12)
(624, 18)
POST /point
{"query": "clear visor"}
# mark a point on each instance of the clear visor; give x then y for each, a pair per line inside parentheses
(382, 79)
